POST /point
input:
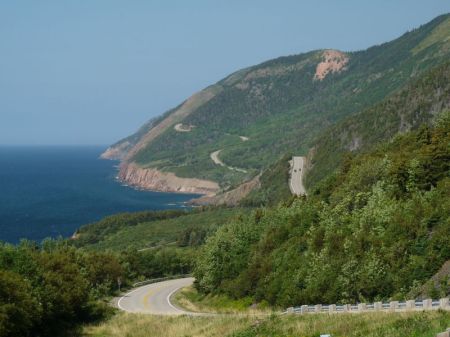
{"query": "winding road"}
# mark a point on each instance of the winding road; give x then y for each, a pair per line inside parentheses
(155, 298)
(215, 158)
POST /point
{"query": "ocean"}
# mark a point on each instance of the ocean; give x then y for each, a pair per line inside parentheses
(51, 191)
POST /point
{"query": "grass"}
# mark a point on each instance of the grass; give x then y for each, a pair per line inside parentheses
(191, 300)
(131, 325)
(416, 324)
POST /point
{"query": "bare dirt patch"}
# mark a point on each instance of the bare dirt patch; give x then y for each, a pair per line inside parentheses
(180, 127)
(334, 61)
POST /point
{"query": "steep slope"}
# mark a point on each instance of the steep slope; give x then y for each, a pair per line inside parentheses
(378, 230)
(417, 103)
(258, 114)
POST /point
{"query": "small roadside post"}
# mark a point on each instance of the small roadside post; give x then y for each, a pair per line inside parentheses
(119, 282)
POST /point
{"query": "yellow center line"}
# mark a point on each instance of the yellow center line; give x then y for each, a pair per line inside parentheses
(146, 297)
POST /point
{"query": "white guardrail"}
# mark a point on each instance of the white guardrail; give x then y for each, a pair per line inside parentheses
(412, 305)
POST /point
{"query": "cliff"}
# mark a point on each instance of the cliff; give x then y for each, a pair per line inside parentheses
(153, 179)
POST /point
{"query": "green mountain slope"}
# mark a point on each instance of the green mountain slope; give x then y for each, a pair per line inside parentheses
(417, 103)
(378, 230)
(153, 229)
(281, 106)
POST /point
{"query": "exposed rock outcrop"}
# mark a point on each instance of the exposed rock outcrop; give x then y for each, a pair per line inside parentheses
(334, 61)
(155, 180)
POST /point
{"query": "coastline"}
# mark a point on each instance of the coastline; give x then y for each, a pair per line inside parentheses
(151, 179)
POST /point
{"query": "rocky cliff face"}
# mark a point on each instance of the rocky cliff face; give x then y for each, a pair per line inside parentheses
(153, 179)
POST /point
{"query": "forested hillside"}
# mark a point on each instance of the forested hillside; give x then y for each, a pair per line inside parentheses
(418, 103)
(376, 229)
(258, 114)
(49, 289)
(153, 229)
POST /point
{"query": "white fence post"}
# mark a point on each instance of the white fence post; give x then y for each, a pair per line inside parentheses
(427, 304)
(393, 305)
(332, 308)
(362, 307)
(377, 306)
(410, 305)
(304, 309)
(444, 303)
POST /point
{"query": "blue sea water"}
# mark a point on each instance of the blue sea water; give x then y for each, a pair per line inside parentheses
(51, 191)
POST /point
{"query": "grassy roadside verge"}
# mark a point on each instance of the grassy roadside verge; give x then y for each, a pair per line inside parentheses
(191, 300)
(418, 324)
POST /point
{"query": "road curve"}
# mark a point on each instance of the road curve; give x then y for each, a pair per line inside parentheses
(154, 298)
(215, 158)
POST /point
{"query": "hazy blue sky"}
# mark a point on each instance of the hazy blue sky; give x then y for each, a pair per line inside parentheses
(92, 71)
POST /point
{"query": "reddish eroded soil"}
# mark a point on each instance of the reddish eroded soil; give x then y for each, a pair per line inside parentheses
(333, 61)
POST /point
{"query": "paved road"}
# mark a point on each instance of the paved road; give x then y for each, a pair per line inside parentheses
(296, 180)
(215, 158)
(155, 298)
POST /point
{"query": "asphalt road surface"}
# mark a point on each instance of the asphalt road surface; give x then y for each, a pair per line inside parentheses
(296, 180)
(154, 298)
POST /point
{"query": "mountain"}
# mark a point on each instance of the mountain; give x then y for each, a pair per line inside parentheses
(233, 130)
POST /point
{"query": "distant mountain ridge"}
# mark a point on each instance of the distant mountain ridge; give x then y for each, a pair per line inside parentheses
(258, 114)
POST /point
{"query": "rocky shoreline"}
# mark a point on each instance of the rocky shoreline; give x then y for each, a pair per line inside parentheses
(155, 180)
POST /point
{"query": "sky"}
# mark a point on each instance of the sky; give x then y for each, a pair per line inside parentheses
(91, 72)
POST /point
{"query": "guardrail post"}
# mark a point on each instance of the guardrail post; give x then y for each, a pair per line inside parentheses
(427, 304)
(318, 308)
(362, 307)
(377, 306)
(346, 307)
(393, 305)
(304, 309)
(290, 310)
(444, 303)
(332, 308)
(410, 305)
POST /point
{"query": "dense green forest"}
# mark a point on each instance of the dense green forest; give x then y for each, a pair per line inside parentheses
(376, 229)
(153, 229)
(417, 103)
(49, 289)
(46, 290)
